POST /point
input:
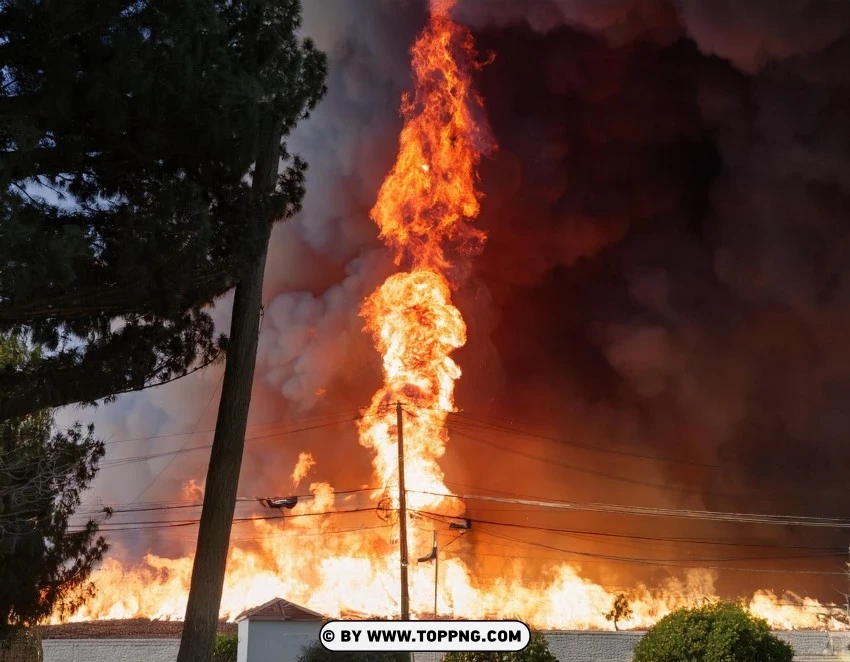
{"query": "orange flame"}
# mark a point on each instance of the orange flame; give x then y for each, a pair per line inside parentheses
(338, 564)
(416, 328)
(302, 467)
(425, 203)
(424, 209)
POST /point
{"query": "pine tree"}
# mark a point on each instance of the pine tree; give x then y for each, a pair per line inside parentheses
(45, 562)
(128, 130)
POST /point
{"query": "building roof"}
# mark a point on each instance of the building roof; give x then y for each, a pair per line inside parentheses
(279, 610)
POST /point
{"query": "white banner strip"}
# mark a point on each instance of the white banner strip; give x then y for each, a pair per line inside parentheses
(425, 636)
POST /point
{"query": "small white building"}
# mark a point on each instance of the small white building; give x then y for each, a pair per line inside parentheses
(277, 630)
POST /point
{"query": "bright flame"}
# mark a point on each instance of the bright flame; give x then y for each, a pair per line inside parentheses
(425, 202)
(302, 467)
(416, 328)
(424, 209)
(344, 564)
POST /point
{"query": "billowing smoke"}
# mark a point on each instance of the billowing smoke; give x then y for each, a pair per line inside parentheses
(666, 273)
(674, 178)
(668, 223)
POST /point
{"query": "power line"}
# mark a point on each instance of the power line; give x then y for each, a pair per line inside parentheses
(601, 474)
(315, 533)
(555, 558)
(185, 441)
(840, 549)
(759, 496)
(347, 413)
(465, 419)
(277, 534)
(177, 505)
(573, 532)
(640, 561)
(304, 429)
(837, 552)
(152, 456)
(154, 524)
(513, 546)
(750, 518)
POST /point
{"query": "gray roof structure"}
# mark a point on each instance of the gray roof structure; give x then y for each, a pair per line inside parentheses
(279, 609)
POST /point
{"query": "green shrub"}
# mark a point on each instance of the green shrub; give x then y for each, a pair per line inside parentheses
(719, 632)
(225, 648)
(318, 653)
(536, 651)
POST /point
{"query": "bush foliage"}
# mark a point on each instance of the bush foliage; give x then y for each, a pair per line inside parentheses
(719, 632)
(225, 648)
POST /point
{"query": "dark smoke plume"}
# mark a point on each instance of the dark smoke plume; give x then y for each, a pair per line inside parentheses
(668, 216)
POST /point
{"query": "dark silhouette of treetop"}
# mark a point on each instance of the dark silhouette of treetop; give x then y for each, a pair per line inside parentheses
(128, 133)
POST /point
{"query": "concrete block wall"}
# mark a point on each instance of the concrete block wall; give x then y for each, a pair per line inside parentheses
(584, 646)
(110, 650)
(567, 646)
(827, 645)
(577, 646)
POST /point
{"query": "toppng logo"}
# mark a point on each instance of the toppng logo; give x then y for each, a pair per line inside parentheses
(425, 636)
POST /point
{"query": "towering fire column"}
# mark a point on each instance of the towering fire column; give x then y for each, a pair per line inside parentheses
(424, 210)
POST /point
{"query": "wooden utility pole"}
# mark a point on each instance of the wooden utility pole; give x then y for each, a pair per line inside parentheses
(436, 553)
(199, 627)
(434, 556)
(402, 517)
(847, 595)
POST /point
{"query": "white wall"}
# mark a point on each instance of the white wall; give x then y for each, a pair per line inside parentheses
(593, 646)
(110, 650)
(242, 648)
(578, 646)
(584, 646)
(277, 641)
(271, 646)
